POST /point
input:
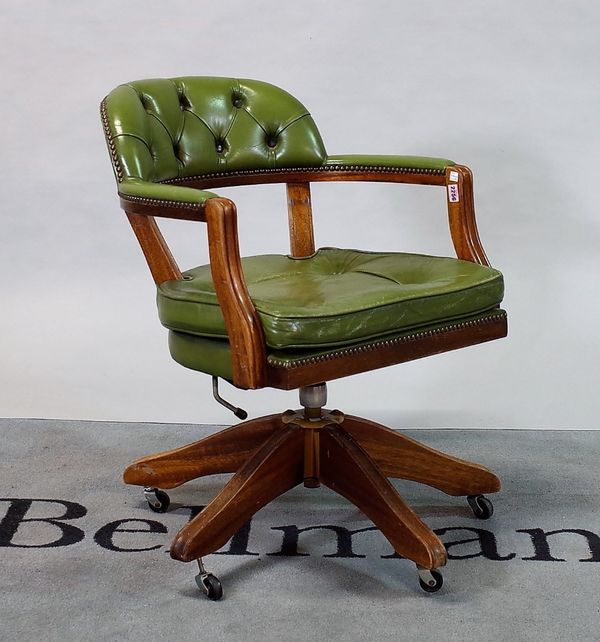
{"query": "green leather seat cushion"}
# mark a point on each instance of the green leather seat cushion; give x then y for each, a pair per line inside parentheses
(213, 356)
(336, 296)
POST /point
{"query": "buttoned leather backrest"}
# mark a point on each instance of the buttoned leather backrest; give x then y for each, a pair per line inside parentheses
(163, 129)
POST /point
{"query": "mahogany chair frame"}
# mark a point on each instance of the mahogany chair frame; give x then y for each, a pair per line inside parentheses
(270, 455)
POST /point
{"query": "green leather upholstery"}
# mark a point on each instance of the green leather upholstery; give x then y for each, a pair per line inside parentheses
(383, 160)
(175, 194)
(213, 356)
(164, 129)
(336, 297)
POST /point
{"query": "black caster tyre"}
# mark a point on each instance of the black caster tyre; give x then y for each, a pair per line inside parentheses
(433, 584)
(158, 500)
(482, 507)
(210, 586)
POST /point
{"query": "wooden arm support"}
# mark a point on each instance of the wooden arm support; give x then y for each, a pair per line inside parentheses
(248, 349)
(163, 266)
(244, 329)
(461, 212)
(461, 215)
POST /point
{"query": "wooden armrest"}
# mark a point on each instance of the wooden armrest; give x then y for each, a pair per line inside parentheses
(244, 329)
(456, 179)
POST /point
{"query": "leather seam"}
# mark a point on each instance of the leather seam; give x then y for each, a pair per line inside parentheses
(295, 120)
(193, 113)
(231, 124)
(164, 126)
(178, 92)
(145, 143)
(385, 343)
(152, 115)
(256, 121)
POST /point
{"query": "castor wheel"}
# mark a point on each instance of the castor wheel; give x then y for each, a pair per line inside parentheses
(431, 581)
(209, 584)
(158, 500)
(482, 507)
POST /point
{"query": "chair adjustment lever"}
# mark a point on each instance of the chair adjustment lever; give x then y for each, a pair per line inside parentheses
(240, 413)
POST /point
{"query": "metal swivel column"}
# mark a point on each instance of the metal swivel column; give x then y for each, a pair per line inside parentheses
(312, 420)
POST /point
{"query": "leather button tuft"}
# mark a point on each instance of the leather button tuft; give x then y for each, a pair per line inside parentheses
(272, 141)
(237, 101)
(220, 146)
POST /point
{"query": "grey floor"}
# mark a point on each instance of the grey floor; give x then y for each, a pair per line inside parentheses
(88, 588)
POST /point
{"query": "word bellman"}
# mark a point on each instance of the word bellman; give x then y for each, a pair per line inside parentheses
(19, 521)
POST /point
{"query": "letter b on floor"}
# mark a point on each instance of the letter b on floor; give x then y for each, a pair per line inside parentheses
(40, 532)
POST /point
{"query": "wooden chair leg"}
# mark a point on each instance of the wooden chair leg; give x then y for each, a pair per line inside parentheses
(400, 456)
(224, 452)
(273, 469)
(348, 470)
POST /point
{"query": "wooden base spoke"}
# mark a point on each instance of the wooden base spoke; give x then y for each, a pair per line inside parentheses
(348, 470)
(273, 469)
(271, 455)
(223, 452)
(399, 456)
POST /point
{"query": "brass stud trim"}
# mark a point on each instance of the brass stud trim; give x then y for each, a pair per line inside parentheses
(384, 343)
(120, 174)
(161, 202)
(316, 170)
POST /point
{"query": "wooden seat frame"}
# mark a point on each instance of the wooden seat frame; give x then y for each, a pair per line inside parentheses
(272, 454)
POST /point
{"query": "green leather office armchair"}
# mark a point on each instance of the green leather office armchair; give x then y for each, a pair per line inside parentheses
(293, 320)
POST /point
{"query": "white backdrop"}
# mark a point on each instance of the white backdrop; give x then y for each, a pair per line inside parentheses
(510, 89)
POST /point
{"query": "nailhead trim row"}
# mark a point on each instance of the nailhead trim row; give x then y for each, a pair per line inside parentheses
(386, 343)
(316, 170)
(111, 143)
(160, 202)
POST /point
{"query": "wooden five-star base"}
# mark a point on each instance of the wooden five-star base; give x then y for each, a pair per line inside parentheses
(272, 454)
